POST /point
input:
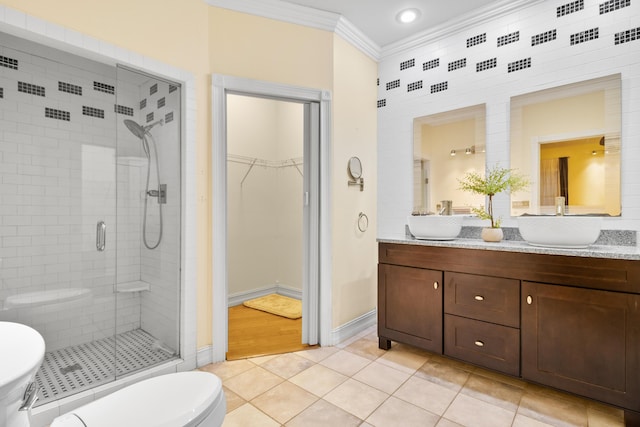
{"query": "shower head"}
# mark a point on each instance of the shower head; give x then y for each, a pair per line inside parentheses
(135, 128)
(139, 130)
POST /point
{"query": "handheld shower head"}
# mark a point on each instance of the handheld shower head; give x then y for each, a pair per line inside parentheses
(139, 130)
(135, 128)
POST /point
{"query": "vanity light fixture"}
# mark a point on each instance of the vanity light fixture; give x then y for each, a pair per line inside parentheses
(408, 16)
(453, 153)
(468, 151)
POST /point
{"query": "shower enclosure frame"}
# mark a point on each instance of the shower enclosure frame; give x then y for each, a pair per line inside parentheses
(52, 35)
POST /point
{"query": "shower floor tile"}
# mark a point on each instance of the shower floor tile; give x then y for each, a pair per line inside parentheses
(77, 368)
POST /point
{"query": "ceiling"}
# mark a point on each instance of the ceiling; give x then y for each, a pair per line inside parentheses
(377, 18)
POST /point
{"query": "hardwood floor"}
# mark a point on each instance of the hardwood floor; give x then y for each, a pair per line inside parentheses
(256, 333)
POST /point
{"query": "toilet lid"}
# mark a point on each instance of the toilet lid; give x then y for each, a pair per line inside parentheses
(181, 399)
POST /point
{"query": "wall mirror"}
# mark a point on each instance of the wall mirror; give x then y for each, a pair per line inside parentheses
(567, 140)
(446, 146)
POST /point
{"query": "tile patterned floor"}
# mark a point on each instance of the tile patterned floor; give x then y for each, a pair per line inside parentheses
(357, 384)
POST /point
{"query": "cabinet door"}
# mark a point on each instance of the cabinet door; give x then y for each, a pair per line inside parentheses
(583, 341)
(410, 306)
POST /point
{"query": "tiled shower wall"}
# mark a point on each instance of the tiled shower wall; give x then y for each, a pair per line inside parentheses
(546, 44)
(58, 153)
(161, 267)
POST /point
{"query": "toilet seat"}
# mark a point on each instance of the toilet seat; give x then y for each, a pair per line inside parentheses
(181, 399)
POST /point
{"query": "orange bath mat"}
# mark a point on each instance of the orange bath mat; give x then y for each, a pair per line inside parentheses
(277, 304)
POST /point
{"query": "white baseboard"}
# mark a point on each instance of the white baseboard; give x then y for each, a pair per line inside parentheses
(354, 327)
(240, 297)
(204, 356)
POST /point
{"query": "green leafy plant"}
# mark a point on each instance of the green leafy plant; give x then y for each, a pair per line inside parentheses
(497, 180)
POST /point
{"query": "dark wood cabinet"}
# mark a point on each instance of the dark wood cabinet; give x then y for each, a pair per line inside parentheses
(410, 307)
(567, 322)
(582, 340)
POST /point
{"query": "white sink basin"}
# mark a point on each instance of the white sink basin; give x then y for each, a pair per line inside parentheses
(435, 227)
(560, 231)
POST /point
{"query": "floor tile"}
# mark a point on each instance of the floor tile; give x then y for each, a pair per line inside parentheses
(404, 358)
(323, 414)
(365, 348)
(226, 370)
(444, 372)
(495, 392)
(248, 415)
(284, 401)
(345, 362)
(287, 365)
(393, 410)
(317, 354)
(471, 412)
(426, 394)
(253, 382)
(233, 400)
(522, 421)
(382, 377)
(318, 380)
(356, 398)
(550, 409)
(447, 423)
(599, 415)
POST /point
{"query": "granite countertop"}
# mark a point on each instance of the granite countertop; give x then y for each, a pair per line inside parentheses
(594, 251)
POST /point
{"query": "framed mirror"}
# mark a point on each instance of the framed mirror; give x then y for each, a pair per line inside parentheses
(446, 146)
(567, 140)
(354, 168)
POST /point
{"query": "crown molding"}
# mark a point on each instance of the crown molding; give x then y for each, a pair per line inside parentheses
(487, 13)
(306, 16)
(357, 38)
(336, 23)
(281, 11)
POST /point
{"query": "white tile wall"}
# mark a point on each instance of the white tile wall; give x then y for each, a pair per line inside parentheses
(554, 63)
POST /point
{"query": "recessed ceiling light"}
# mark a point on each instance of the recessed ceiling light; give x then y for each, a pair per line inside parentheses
(407, 16)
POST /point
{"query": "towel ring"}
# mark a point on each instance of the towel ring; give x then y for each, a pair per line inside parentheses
(363, 222)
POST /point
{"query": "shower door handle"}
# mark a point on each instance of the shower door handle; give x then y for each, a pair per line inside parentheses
(101, 230)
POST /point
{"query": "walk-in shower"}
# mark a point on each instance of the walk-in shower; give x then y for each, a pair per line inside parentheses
(84, 148)
(160, 192)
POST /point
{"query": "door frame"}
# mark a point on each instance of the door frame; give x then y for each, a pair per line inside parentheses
(317, 286)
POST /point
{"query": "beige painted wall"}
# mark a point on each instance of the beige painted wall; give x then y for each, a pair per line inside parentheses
(190, 35)
(354, 134)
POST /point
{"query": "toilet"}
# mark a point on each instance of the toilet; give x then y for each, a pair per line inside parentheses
(173, 400)
(183, 399)
(21, 354)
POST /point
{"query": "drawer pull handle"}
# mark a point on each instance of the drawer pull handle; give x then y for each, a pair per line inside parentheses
(479, 343)
(529, 299)
(479, 298)
(435, 285)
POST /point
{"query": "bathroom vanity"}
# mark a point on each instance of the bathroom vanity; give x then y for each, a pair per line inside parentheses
(565, 319)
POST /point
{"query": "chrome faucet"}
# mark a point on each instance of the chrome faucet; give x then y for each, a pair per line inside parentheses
(446, 208)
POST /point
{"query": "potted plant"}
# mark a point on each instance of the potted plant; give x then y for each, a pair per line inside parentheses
(496, 180)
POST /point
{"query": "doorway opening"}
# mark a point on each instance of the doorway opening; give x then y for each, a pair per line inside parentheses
(300, 204)
(265, 236)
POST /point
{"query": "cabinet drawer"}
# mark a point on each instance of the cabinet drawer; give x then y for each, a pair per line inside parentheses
(492, 299)
(481, 343)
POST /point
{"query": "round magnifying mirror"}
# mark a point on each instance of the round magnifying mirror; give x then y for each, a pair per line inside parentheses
(355, 168)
